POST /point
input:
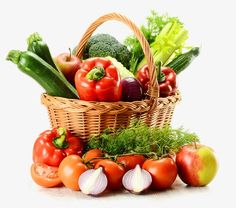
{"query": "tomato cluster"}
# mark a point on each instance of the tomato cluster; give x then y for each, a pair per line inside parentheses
(53, 165)
(59, 160)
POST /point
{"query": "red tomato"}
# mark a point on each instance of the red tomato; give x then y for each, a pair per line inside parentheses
(44, 175)
(114, 173)
(163, 172)
(70, 170)
(130, 161)
(91, 156)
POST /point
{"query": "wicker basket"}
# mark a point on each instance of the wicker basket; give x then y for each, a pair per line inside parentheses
(86, 118)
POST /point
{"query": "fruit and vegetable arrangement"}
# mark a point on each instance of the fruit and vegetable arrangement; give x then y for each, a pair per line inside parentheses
(137, 157)
(110, 71)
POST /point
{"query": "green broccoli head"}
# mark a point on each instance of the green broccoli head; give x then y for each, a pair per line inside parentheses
(104, 38)
(123, 55)
(102, 45)
(101, 49)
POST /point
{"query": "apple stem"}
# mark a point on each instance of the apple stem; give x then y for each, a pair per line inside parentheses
(69, 57)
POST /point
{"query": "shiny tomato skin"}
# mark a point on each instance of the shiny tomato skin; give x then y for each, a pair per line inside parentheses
(163, 172)
(91, 155)
(44, 175)
(70, 170)
(114, 173)
(130, 161)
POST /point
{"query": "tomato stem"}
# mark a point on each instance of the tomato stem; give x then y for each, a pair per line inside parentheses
(114, 157)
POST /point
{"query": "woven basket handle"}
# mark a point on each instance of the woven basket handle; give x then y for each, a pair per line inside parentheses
(153, 89)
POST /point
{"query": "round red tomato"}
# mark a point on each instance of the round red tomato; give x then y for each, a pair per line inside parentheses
(163, 172)
(91, 155)
(70, 170)
(114, 173)
(130, 161)
(44, 175)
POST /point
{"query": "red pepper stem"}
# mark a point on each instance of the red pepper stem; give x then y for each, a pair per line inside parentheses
(60, 142)
(160, 75)
(96, 73)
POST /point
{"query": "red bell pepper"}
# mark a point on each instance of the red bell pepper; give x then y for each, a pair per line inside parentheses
(143, 77)
(52, 146)
(167, 86)
(98, 80)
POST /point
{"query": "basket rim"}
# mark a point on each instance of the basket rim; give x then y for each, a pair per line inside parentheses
(177, 96)
(100, 108)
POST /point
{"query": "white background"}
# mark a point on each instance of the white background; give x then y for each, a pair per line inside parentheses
(207, 86)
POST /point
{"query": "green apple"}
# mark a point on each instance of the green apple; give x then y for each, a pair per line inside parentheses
(197, 164)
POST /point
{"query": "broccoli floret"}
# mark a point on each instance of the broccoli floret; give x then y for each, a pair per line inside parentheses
(101, 49)
(123, 55)
(102, 45)
(104, 38)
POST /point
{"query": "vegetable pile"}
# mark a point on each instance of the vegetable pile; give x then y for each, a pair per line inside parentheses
(106, 62)
(136, 159)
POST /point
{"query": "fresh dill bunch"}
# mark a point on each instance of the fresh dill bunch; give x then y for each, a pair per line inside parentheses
(142, 139)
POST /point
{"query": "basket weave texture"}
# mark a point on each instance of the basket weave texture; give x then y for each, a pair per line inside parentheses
(86, 118)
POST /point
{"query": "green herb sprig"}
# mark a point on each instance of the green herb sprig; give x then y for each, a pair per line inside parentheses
(142, 139)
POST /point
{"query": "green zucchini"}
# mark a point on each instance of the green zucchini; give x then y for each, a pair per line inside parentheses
(50, 79)
(39, 47)
(182, 61)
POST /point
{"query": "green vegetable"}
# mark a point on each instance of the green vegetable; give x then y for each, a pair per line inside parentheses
(39, 47)
(142, 139)
(103, 38)
(122, 70)
(170, 40)
(165, 35)
(43, 73)
(102, 45)
(123, 55)
(101, 50)
(182, 61)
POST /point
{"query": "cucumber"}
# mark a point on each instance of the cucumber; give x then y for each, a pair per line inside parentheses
(43, 73)
(39, 47)
(182, 61)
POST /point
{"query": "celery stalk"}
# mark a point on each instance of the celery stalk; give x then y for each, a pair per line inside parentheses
(171, 38)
